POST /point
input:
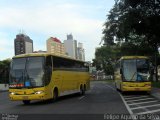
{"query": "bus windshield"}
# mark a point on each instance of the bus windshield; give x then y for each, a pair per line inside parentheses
(27, 72)
(135, 70)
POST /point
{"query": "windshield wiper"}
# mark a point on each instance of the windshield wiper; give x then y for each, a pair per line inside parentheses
(133, 76)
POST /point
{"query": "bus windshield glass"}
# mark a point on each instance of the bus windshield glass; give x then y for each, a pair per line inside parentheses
(135, 70)
(27, 72)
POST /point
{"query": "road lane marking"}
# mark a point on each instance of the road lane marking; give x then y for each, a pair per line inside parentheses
(81, 97)
(135, 97)
(139, 100)
(143, 102)
(145, 106)
(128, 108)
(151, 111)
(111, 87)
(125, 103)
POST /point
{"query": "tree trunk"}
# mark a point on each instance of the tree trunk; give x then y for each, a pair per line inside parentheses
(156, 70)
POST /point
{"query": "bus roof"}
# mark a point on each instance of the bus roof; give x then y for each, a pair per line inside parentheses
(45, 54)
(134, 57)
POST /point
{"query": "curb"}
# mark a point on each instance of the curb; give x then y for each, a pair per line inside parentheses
(4, 91)
(156, 93)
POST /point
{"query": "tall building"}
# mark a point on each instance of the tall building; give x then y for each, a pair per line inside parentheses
(70, 37)
(80, 52)
(70, 46)
(23, 44)
(75, 45)
(55, 46)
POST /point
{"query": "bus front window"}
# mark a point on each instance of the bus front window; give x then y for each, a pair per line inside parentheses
(27, 72)
(35, 72)
(136, 70)
(142, 70)
(129, 70)
(17, 71)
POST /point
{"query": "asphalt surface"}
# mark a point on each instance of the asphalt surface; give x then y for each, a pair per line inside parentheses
(101, 99)
(143, 105)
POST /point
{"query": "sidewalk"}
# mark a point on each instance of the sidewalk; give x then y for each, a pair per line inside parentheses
(4, 87)
(156, 92)
(3, 91)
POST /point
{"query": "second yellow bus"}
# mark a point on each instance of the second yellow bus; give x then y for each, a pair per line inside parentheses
(132, 73)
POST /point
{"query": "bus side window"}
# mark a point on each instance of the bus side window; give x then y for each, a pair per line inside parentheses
(48, 69)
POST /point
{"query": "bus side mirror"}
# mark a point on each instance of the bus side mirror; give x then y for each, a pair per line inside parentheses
(120, 71)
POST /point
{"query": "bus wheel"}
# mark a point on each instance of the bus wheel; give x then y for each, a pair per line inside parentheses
(26, 102)
(122, 92)
(55, 95)
(116, 87)
(82, 90)
(148, 92)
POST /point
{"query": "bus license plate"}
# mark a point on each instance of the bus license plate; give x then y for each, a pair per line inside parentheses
(137, 89)
(25, 97)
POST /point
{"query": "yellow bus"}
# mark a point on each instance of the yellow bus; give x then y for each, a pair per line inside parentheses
(42, 76)
(132, 73)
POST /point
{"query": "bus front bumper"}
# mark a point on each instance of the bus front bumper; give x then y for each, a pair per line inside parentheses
(27, 97)
(147, 89)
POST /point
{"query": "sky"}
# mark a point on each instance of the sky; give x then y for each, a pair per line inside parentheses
(41, 19)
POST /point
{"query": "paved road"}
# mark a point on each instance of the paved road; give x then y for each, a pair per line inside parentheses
(99, 100)
(143, 105)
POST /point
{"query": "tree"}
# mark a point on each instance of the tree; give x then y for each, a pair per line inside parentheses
(4, 71)
(104, 58)
(136, 22)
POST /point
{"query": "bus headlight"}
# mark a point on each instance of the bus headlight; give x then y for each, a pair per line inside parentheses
(39, 92)
(12, 93)
(124, 85)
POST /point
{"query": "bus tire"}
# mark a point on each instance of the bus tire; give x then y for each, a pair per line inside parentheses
(122, 92)
(82, 90)
(55, 95)
(148, 92)
(116, 87)
(26, 102)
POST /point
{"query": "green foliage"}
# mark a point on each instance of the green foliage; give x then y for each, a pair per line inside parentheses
(4, 71)
(134, 17)
(156, 84)
(129, 48)
(104, 57)
(5, 63)
(135, 25)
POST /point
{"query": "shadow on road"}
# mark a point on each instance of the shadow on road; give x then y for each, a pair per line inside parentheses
(60, 99)
(135, 93)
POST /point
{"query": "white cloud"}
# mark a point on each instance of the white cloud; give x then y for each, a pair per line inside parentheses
(57, 20)
(6, 48)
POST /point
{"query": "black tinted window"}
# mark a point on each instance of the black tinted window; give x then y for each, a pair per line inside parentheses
(67, 64)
